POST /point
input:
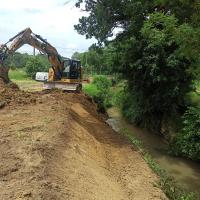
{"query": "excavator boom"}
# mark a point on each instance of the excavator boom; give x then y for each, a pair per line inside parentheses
(28, 37)
(57, 71)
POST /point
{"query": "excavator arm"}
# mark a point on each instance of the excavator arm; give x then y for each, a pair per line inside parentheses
(64, 74)
(28, 37)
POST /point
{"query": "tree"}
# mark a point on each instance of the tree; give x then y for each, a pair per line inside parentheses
(100, 60)
(186, 11)
(152, 51)
(76, 55)
(160, 77)
(106, 15)
(34, 65)
(187, 142)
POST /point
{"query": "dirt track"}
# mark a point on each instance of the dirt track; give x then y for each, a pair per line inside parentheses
(55, 146)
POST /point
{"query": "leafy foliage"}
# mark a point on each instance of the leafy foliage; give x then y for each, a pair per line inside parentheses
(152, 50)
(118, 94)
(154, 46)
(31, 64)
(91, 90)
(18, 60)
(184, 10)
(100, 91)
(128, 16)
(96, 61)
(157, 72)
(34, 65)
(187, 142)
(102, 83)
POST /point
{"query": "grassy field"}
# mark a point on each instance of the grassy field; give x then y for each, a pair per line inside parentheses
(18, 75)
(23, 81)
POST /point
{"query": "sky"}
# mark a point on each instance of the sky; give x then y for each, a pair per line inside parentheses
(54, 20)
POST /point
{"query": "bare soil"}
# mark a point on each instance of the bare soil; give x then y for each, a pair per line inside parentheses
(56, 146)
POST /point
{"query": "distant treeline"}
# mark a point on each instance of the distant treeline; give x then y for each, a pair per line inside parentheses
(19, 60)
(96, 61)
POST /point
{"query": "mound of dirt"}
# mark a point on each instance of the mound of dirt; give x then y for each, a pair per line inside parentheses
(60, 148)
(10, 94)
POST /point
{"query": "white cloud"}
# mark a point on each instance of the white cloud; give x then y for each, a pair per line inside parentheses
(51, 19)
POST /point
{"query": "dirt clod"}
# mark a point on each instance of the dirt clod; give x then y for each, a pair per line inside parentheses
(2, 104)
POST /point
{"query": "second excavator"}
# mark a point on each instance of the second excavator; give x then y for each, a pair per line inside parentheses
(65, 74)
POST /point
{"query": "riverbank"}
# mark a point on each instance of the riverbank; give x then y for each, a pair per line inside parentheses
(185, 172)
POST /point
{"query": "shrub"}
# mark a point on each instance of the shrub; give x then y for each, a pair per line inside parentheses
(118, 94)
(158, 71)
(103, 85)
(34, 65)
(187, 142)
(91, 90)
(102, 82)
(100, 91)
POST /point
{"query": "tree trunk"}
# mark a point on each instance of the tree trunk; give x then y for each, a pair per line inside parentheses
(4, 74)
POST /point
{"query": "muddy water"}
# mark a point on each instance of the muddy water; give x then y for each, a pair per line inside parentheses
(185, 172)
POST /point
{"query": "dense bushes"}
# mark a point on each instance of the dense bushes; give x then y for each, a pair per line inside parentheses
(100, 91)
(187, 142)
(118, 94)
(160, 73)
(156, 50)
(35, 64)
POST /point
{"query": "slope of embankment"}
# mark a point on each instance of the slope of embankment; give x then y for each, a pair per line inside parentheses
(55, 146)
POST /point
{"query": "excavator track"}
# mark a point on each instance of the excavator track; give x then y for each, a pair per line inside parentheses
(63, 86)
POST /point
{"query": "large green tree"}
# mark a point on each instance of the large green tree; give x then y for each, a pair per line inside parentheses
(156, 50)
(106, 15)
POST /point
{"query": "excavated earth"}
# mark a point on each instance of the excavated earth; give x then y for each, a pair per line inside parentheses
(55, 146)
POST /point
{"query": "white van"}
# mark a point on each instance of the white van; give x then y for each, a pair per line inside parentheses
(41, 76)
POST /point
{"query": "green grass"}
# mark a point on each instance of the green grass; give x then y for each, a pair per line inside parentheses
(91, 90)
(23, 81)
(166, 183)
(18, 75)
(195, 96)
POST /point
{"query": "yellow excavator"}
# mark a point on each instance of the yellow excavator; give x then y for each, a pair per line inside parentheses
(65, 74)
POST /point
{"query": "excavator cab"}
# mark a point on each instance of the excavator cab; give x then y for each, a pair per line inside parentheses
(72, 69)
(71, 77)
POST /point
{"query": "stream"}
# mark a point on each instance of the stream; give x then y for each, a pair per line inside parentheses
(185, 172)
